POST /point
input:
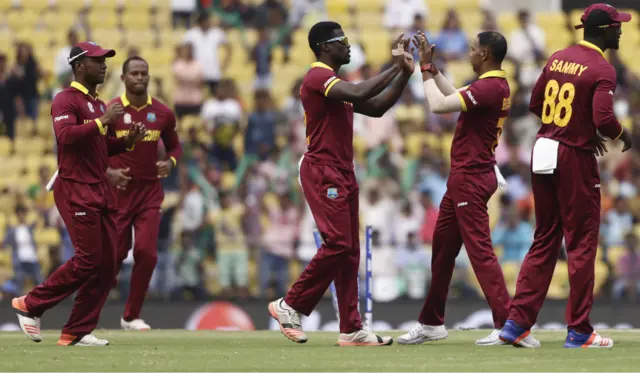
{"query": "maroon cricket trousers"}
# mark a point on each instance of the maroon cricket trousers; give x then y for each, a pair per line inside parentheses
(138, 208)
(567, 204)
(332, 195)
(88, 211)
(464, 218)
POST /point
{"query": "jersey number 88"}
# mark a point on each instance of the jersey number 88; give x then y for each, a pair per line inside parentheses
(556, 107)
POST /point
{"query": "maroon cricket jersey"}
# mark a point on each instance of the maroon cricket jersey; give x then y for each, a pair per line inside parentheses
(574, 96)
(485, 107)
(160, 123)
(84, 144)
(329, 123)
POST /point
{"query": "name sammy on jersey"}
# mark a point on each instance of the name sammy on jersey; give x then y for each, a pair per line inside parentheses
(152, 135)
(567, 67)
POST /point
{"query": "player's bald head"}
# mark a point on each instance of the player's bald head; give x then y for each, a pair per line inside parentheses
(495, 42)
(321, 32)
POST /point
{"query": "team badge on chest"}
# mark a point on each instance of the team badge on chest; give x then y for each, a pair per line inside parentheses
(151, 117)
(127, 118)
(332, 193)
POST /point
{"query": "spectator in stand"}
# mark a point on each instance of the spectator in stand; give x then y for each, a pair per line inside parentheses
(452, 41)
(384, 269)
(628, 270)
(10, 101)
(617, 223)
(399, 14)
(417, 26)
(189, 270)
(300, 9)
(489, 22)
(206, 41)
(61, 67)
(261, 55)
(278, 243)
(27, 71)
(430, 217)
(222, 115)
(181, 13)
(526, 49)
(193, 209)
(232, 252)
(515, 235)
(406, 221)
(376, 210)
(23, 250)
(189, 76)
(259, 137)
(37, 192)
(413, 262)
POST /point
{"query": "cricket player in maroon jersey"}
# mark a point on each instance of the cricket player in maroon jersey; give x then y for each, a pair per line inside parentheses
(85, 201)
(140, 195)
(574, 99)
(474, 178)
(329, 183)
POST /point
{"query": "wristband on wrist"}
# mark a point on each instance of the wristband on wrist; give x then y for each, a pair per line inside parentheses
(429, 67)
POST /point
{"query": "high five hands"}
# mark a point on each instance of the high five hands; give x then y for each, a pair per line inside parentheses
(403, 55)
(425, 48)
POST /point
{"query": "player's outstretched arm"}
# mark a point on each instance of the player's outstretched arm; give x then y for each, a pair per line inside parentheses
(438, 101)
(365, 90)
(377, 106)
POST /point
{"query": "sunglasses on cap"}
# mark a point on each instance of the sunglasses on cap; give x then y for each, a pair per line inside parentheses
(342, 39)
(615, 25)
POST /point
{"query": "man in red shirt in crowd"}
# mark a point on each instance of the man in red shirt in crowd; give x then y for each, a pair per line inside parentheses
(140, 195)
(574, 100)
(463, 216)
(329, 183)
(83, 196)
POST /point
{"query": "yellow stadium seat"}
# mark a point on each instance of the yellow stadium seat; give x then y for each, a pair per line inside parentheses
(614, 254)
(18, 20)
(510, 271)
(601, 277)
(29, 146)
(51, 161)
(47, 237)
(559, 288)
(59, 22)
(3, 224)
(32, 163)
(73, 5)
(136, 20)
(103, 20)
(6, 146)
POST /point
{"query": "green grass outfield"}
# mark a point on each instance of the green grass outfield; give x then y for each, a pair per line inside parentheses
(179, 350)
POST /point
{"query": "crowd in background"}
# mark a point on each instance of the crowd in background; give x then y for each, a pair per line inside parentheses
(235, 223)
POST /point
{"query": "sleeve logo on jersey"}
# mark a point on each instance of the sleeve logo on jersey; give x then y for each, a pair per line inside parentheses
(326, 84)
(611, 93)
(61, 117)
(473, 99)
